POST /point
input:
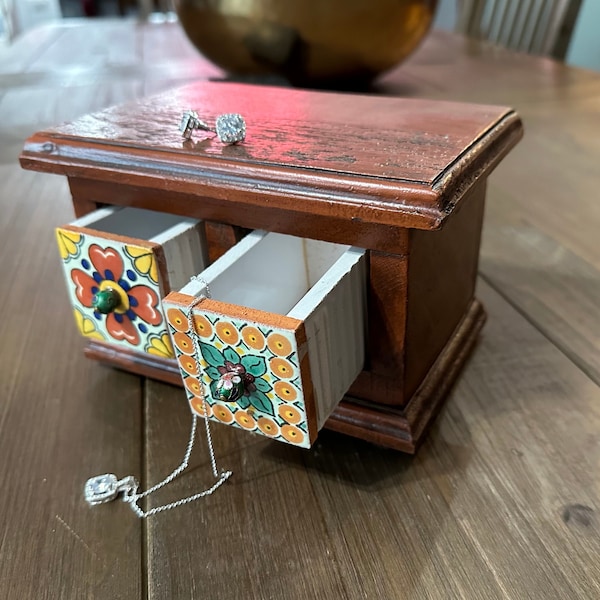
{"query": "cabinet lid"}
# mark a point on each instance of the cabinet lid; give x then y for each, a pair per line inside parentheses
(394, 161)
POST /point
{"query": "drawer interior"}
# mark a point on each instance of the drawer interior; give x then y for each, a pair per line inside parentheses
(132, 222)
(184, 248)
(270, 272)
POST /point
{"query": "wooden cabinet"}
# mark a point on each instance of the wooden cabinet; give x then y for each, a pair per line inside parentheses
(392, 190)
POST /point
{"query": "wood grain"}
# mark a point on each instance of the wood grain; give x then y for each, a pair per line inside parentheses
(309, 153)
(558, 291)
(61, 421)
(479, 512)
(441, 284)
(259, 536)
(383, 237)
(221, 237)
(501, 501)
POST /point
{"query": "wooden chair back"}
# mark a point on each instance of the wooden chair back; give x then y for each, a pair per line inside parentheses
(533, 26)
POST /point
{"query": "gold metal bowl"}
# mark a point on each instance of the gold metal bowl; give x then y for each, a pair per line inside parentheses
(309, 42)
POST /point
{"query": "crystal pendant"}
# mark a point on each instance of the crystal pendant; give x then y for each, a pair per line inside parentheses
(100, 489)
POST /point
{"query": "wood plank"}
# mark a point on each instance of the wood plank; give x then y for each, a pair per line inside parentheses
(504, 492)
(490, 507)
(260, 535)
(17, 56)
(107, 52)
(557, 291)
(62, 420)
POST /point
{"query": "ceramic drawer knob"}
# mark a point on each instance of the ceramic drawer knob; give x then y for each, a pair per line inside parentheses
(230, 387)
(106, 301)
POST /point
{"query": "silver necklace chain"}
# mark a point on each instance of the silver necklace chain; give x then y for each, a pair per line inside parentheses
(105, 488)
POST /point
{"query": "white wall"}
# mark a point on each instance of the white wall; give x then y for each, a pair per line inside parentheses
(584, 50)
(17, 16)
(445, 17)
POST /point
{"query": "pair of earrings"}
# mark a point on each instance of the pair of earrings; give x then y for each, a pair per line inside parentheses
(229, 127)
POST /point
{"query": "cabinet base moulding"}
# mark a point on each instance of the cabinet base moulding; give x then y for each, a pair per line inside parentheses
(404, 428)
(401, 428)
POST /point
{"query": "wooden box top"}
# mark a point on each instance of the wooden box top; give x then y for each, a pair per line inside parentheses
(394, 161)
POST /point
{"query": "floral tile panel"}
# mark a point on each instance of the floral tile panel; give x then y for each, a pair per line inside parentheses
(270, 400)
(92, 264)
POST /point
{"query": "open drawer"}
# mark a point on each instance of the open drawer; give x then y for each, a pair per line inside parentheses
(119, 263)
(270, 337)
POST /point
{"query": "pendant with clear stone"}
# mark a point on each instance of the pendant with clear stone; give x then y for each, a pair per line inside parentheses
(105, 488)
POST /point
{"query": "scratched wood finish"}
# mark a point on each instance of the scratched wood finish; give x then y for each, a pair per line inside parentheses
(502, 500)
(286, 128)
(371, 161)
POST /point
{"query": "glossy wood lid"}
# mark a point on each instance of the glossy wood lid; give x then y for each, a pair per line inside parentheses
(393, 161)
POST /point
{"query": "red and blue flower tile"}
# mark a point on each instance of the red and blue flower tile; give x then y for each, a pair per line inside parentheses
(95, 265)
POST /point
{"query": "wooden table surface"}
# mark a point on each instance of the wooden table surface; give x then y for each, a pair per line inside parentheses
(502, 500)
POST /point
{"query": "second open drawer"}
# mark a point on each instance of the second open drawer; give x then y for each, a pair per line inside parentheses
(270, 337)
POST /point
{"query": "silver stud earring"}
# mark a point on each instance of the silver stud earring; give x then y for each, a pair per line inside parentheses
(229, 127)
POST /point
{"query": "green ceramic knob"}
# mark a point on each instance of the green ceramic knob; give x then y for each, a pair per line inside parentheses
(105, 301)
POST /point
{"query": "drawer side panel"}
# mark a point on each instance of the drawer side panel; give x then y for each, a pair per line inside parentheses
(335, 332)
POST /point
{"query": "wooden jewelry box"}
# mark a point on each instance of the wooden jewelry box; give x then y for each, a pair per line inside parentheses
(321, 273)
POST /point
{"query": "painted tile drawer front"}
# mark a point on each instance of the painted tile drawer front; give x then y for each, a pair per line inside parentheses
(276, 337)
(130, 259)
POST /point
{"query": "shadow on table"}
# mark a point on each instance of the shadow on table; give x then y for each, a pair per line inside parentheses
(367, 466)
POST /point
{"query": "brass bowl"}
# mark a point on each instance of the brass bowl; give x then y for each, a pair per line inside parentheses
(309, 42)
